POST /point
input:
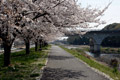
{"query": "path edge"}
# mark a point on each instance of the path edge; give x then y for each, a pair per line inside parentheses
(94, 69)
(42, 69)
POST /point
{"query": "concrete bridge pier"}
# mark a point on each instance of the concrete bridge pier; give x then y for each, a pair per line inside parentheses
(97, 50)
(91, 48)
(91, 45)
(96, 38)
(95, 44)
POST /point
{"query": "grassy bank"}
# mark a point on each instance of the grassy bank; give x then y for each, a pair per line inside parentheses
(109, 50)
(24, 67)
(93, 63)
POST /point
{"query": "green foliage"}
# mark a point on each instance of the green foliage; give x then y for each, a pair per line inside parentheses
(114, 26)
(114, 63)
(94, 64)
(112, 41)
(118, 50)
(79, 50)
(78, 40)
(115, 70)
(107, 49)
(110, 50)
(34, 75)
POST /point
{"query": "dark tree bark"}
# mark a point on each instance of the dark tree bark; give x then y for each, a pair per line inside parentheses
(27, 44)
(46, 44)
(43, 43)
(36, 46)
(40, 43)
(7, 51)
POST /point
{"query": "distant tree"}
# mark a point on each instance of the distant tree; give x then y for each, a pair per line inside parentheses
(78, 40)
(113, 41)
(113, 26)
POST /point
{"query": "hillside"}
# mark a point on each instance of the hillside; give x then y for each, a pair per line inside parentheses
(114, 26)
(113, 41)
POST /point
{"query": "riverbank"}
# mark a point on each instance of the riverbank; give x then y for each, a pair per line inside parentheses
(93, 63)
(107, 54)
(110, 50)
(104, 57)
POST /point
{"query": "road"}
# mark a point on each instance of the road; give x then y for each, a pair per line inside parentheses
(63, 66)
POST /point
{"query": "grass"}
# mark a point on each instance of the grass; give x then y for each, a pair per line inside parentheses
(107, 50)
(24, 67)
(110, 50)
(92, 63)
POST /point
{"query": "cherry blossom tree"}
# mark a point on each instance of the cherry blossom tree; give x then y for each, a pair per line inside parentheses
(12, 13)
(8, 12)
(50, 17)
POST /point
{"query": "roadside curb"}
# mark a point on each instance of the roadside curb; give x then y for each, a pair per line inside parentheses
(97, 71)
(42, 69)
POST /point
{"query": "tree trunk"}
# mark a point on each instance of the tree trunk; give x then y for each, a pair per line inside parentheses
(7, 51)
(36, 46)
(43, 44)
(46, 44)
(27, 44)
(40, 46)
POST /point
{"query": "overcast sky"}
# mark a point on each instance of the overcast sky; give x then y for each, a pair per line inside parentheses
(111, 15)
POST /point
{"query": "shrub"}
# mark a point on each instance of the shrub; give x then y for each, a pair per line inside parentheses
(34, 75)
(107, 49)
(114, 63)
(118, 50)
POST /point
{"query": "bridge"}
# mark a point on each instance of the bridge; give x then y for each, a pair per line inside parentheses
(96, 38)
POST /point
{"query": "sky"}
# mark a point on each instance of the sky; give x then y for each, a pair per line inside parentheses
(111, 15)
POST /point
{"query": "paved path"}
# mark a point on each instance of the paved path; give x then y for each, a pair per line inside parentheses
(63, 66)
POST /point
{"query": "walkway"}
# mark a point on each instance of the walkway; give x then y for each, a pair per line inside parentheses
(63, 66)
